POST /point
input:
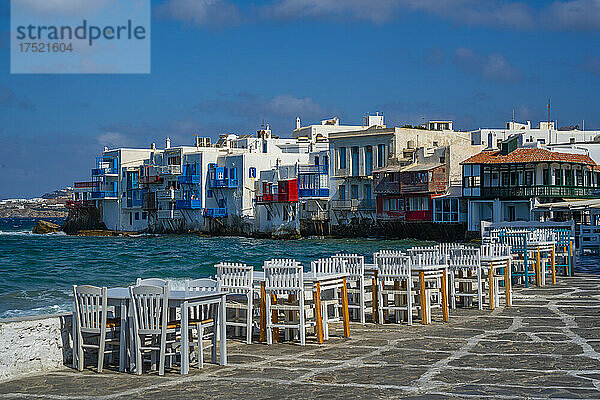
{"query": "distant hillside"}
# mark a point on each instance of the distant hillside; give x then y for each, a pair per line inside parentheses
(50, 205)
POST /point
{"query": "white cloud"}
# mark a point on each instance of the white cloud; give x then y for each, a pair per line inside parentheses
(202, 12)
(573, 15)
(113, 139)
(493, 67)
(69, 7)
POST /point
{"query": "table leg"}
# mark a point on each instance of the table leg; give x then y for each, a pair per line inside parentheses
(123, 338)
(445, 294)
(375, 298)
(274, 319)
(216, 329)
(263, 313)
(572, 261)
(507, 283)
(318, 316)
(345, 312)
(491, 285)
(423, 296)
(74, 333)
(553, 265)
(223, 328)
(185, 345)
(538, 275)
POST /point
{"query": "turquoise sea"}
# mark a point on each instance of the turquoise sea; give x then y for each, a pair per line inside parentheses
(37, 271)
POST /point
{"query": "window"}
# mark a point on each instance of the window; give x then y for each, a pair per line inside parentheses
(368, 160)
(355, 161)
(264, 147)
(316, 160)
(528, 178)
(446, 210)
(558, 177)
(137, 216)
(546, 177)
(380, 155)
(130, 218)
(471, 181)
(209, 193)
(342, 158)
(342, 192)
(417, 204)
(252, 172)
(354, 192)
(144, 215)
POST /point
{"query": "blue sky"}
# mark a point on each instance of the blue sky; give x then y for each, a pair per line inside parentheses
(225, 66)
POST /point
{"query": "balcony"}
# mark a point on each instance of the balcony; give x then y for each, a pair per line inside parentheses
(227, 183)
(214, 212)
(275, 198)
(313, 193)
(315, 215)
(170, 170)
(189, 179)
(169, 214)
(167, 194)
(74, 204)
(104, 171)
(313, 169)
(105, 195)
(188, 204)
(353, 205)
(86, 185)
(131, 203)
(150, 180)
(538, 191)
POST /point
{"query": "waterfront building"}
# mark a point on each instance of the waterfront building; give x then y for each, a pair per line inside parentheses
(505, 184)
(546, 133)
(356, 154)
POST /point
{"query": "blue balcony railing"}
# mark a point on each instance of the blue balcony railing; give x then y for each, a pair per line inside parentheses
(223, 183)
(105, 194)
(134, 203)
(104, 171)
(193, 204)
(189, 179)
(313, 169)
(214, 212)
(313, 193)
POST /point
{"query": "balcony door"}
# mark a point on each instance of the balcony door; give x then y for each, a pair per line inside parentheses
(355, 162)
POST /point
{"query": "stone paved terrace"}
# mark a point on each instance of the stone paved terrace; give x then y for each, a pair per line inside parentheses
(546, 346)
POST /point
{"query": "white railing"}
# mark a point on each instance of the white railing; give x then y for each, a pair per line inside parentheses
(168, 194)
(169, 214)
(169, 169)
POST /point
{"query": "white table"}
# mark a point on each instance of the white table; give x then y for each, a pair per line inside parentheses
(181, 299)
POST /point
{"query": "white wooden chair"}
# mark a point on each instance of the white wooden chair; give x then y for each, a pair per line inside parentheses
(429, 260)
(284, 281)
(237, 280)
(355, 268)
(394, 278)
(203, 318)
(92, 321)
(330, 294)
(465, 276)
(150, 324)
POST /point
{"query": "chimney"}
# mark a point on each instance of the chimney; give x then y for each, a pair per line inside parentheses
(168, 143)
(298, 123)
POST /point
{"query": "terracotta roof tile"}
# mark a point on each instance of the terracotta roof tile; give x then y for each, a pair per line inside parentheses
(528, 155)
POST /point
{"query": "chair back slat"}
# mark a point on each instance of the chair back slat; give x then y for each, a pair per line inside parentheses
(90, 307)
(201, 313)
(150, 305)
(330, 265)
(491, 250)
(152, 282)
(465, 258)
(235, 277)
(355, 264)
(392, 264)
(283, 276)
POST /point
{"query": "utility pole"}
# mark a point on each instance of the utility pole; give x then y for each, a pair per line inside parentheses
(549, 131)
